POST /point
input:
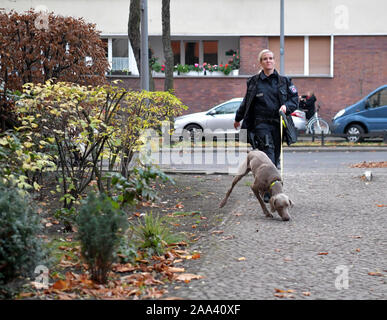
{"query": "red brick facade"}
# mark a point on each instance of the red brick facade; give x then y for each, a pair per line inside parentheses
(360, 66)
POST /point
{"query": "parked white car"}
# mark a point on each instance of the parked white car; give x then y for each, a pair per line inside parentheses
(219, 120)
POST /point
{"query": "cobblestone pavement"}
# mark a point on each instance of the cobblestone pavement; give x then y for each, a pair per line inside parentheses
(338, 229)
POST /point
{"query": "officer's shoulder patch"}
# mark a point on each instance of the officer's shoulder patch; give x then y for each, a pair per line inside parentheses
(293, 88)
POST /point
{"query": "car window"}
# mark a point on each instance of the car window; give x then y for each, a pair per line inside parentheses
(383, 97)
(378, 99)
(227, 108)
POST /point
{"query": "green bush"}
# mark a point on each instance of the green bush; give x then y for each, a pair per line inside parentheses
(20, 248)
(100, 226)
(154, 235)
(138, 186)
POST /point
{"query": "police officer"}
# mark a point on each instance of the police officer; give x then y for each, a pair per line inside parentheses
(267, 93)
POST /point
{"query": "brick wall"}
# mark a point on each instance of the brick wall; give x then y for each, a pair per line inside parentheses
(249, 50)
(360, 66)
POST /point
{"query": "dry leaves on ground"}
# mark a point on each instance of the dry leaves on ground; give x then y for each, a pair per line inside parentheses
(371, 164)
(145, 280)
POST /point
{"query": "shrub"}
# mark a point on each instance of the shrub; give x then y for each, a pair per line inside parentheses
(20, 164)
(20, 248)
(86, 125)
(100, 227)
(154, 235)
(137, 186)
(64, 48)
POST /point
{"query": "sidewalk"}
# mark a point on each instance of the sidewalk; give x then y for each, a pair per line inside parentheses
(286, 149)
(332, 248)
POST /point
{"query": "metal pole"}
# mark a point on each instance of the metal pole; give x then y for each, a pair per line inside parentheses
(282, 40)
(144, 46)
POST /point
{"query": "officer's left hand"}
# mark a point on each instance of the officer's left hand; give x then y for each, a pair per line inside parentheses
(283, 108)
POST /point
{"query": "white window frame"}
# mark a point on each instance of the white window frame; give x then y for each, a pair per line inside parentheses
(306, 60)
(133, 69)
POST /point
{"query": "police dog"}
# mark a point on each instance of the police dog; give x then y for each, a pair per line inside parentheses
(266, 179)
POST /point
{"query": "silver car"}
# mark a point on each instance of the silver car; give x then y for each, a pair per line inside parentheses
(219, 120)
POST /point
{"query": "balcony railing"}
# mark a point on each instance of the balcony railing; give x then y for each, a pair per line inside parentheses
(120, 64)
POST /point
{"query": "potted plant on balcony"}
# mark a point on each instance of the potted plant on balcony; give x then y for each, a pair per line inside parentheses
(181, 69)
(195, 70)
(156, 67)
(226, 69)
(235, 63)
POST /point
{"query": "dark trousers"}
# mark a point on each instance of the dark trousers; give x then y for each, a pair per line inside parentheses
(267, 138)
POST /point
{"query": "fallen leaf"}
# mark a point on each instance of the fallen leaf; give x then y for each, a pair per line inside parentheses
(322, 253)
(48, 224)
(283, 291)
(241, 259)
(375, 274)
(26, 294)
(285, 295)
(179, 206)
(175, 269)
(123, 267)
(217, 232)
(188, 277)
(60, 285)
(306, 293)
(196, 256)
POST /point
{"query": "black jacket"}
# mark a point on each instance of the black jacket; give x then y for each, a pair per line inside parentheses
(287, 92)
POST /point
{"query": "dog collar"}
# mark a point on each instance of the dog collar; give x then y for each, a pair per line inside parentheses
(273, 183)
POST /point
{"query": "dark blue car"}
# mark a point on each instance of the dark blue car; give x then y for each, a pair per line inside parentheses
(365, 116)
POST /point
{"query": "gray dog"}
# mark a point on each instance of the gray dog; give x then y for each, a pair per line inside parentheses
(266, 179)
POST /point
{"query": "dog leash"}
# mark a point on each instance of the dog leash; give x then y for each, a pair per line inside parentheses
(282, 124)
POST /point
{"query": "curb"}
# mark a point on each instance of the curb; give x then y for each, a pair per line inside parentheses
(286, 149)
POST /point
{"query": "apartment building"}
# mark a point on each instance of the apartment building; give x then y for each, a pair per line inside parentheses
(336, 48)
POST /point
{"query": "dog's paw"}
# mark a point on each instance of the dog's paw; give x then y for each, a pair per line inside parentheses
(268, 215)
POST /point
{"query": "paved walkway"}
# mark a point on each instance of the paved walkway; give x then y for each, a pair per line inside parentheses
(334, 247)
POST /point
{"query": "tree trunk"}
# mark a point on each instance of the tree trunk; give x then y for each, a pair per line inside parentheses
(168, 54)
(134, 33)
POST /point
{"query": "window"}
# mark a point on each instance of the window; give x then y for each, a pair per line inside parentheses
(120, 59)
(120, 56)
(176, 52)
(191, 52)
(210, 52)
(304, 56)
(319, 55)
(378, 99)
(383, 97)
(231, 107)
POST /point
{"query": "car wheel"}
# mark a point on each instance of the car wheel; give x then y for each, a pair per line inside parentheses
(194, 130)
(354, 132)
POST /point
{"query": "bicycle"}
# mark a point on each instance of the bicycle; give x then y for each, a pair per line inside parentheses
(317, 125)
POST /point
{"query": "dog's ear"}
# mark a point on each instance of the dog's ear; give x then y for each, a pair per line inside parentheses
(272, 203)
(291, 203)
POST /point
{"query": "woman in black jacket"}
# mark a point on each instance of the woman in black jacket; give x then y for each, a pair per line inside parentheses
(267, 94)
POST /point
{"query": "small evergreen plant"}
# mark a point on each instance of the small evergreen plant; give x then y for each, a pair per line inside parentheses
(21, 251)
(100, 226)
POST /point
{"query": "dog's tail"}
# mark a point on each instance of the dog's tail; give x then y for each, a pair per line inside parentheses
(243, 169)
